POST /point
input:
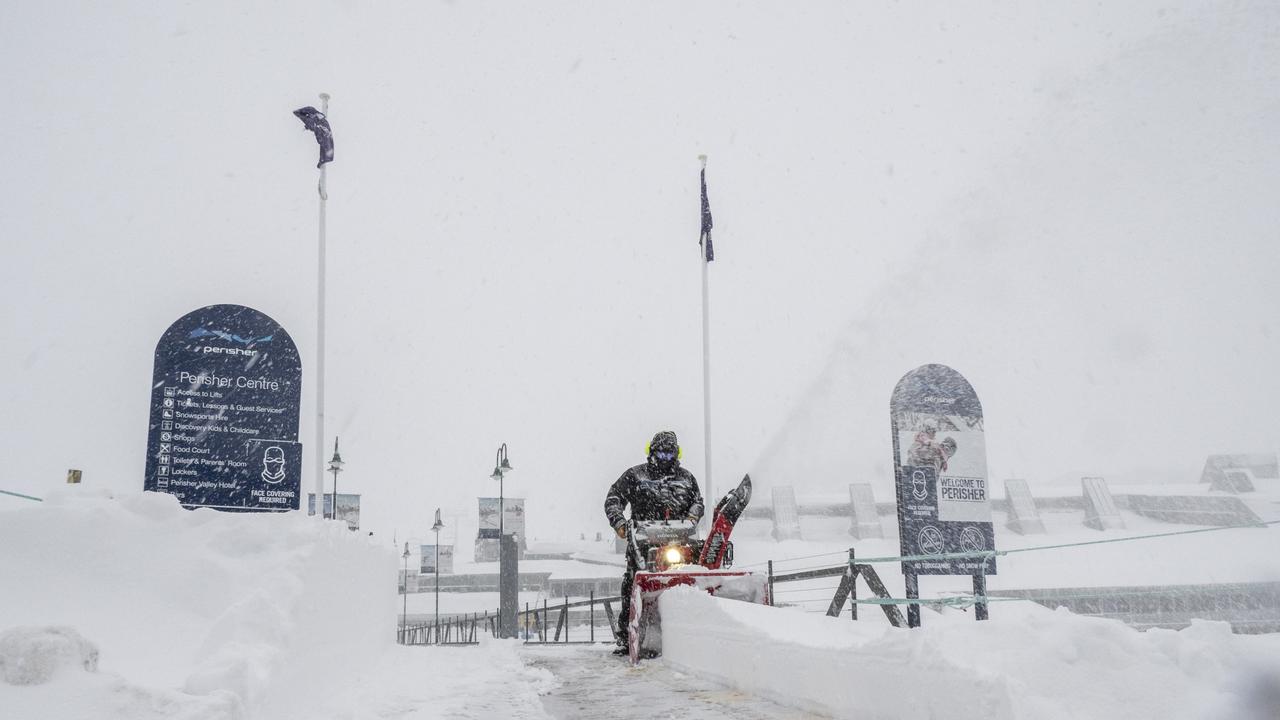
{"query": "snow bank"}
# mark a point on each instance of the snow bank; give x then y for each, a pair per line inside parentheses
(196, 614)
(31, 656)
(1027, 662)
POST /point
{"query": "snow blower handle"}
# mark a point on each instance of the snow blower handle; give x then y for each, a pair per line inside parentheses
(632, 544)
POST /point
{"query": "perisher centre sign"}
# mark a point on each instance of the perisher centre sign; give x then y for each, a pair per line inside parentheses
(225, 395)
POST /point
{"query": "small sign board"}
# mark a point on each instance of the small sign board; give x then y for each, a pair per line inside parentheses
(786, 516)
(486, 550)
(428, 565)
(1213, 510)
(73, 477)
(409, 580)
(512, 516)
(512, 524)
(865, 521)
(1100, 511)
(1262, 466)
(1234, 480)
(1024, 516)
(348, 508)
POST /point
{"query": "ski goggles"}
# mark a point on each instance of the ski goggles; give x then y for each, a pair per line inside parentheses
(664, 455)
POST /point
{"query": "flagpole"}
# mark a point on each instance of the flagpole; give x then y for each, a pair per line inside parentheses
(709, 496)
(319, 451)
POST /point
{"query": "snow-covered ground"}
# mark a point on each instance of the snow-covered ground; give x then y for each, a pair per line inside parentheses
(205, 615)
(1028, 662)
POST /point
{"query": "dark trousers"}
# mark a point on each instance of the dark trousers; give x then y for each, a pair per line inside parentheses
(628, 580)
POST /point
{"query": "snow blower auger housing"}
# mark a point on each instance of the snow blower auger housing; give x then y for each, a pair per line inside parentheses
(669, 554)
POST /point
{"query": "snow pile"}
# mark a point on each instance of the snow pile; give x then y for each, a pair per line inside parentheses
(31, 656)
(1025, 662)
(196, 614)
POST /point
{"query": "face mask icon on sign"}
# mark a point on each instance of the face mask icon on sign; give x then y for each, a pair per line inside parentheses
(273, 465)
(919, 487)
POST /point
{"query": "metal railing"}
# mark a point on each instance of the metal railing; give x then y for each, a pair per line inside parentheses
(534, 624)
(449, 630)
(535, 620)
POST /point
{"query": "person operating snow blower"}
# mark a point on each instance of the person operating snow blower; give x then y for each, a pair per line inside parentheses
(659, 489)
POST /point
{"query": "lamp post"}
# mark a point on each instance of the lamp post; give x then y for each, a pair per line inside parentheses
(436, 528)
(500, 468)
(508, 587)
(335, 467)
(404, 612)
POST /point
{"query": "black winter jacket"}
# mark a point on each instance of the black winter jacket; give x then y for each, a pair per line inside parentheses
(673, 495)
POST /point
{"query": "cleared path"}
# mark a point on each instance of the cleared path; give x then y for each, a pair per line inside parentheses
(593, 683)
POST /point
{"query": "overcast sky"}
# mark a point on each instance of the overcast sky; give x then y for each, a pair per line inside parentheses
(1073, 206)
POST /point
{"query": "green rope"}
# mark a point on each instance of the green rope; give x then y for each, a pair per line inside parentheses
(24, 497)
(959, 601)
(996, 553)
(964, 601)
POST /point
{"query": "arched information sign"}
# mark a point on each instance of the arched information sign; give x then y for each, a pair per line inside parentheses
(225, 395)
(940, 463)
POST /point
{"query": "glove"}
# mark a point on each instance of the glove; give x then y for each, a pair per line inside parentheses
(622, 531)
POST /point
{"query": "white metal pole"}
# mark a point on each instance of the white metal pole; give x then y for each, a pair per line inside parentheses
(709, 497)
(437, 619)
(319, 452)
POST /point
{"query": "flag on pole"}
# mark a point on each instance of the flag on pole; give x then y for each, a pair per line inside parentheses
(706, 221)
(317, 123)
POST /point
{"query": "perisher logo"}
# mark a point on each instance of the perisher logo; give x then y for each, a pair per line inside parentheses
(222, 335)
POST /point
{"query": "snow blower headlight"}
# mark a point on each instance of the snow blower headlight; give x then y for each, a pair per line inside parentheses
(673, 555)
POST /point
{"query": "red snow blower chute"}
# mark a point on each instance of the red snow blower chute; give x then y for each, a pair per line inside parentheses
(668, 554)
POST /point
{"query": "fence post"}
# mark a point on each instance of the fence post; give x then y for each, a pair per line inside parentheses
(566, 618)
(913, 593)
(853, 587)
(608, 614)
(980, 592)
(771, 583)
(592, 608)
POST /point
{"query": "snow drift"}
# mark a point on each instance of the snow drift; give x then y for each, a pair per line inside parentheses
(1027, 662)
(33, 656)
(193, 614)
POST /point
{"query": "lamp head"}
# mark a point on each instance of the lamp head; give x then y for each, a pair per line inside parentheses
(335, 463)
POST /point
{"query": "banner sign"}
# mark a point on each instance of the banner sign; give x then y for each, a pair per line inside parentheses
(512, 521)
(348, 508)
(429, 559)
(786, 515)
(1256, 466)
(225, 393)
(864, 519)
(940, 464)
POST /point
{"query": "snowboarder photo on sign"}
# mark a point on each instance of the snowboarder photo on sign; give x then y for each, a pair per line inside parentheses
(925, 451)
(658, 489)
